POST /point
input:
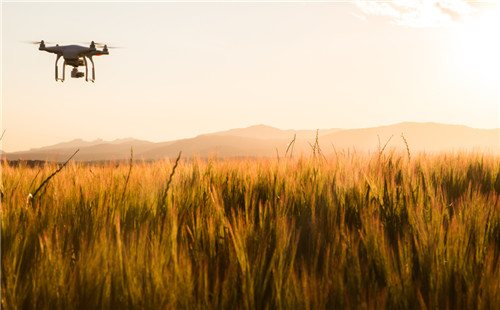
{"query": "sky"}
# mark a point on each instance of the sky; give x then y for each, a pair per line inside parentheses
(188, 68)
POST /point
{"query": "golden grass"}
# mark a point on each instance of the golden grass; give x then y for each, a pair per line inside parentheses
(353, 231)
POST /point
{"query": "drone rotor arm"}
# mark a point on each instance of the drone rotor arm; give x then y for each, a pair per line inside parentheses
(99, 53)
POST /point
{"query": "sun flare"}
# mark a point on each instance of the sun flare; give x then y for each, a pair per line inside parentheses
(478, 46)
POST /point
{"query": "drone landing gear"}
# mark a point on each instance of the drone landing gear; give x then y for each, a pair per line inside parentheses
(75, 73)
(57, 70)
(87, 69)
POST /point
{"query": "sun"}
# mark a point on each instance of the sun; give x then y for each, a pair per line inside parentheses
(478, 46)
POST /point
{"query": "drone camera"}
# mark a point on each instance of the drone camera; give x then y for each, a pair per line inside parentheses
(76, 74)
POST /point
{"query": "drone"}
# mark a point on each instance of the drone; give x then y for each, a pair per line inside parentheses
(76, 56)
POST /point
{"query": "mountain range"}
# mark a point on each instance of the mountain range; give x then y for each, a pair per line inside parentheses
(267, 141)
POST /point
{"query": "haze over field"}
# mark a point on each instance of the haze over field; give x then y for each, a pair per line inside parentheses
(188, 69)
(266, 141)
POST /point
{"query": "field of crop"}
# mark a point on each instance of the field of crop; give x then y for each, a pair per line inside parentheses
(348, 231)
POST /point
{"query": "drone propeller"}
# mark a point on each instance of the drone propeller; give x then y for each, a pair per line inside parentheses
(107, 46)
(37, 42)
(100, 45)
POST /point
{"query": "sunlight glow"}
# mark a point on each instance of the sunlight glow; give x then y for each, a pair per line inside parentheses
(479, 46)
(420, 14)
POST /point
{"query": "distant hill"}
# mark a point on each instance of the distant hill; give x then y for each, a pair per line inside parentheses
(429, 137)
(87, 151)
(80, 143)
(268, 132)
(266, 141)
(77, 143)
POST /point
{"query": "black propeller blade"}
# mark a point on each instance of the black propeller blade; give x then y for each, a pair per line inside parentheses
(37, 42)
(107, 46)
(100, 45)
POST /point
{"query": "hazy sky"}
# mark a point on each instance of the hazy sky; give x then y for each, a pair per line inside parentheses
(199, 67)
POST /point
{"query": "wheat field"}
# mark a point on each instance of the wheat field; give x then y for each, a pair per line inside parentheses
(350, 231)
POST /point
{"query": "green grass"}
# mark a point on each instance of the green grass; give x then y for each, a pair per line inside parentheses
(353, 231)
